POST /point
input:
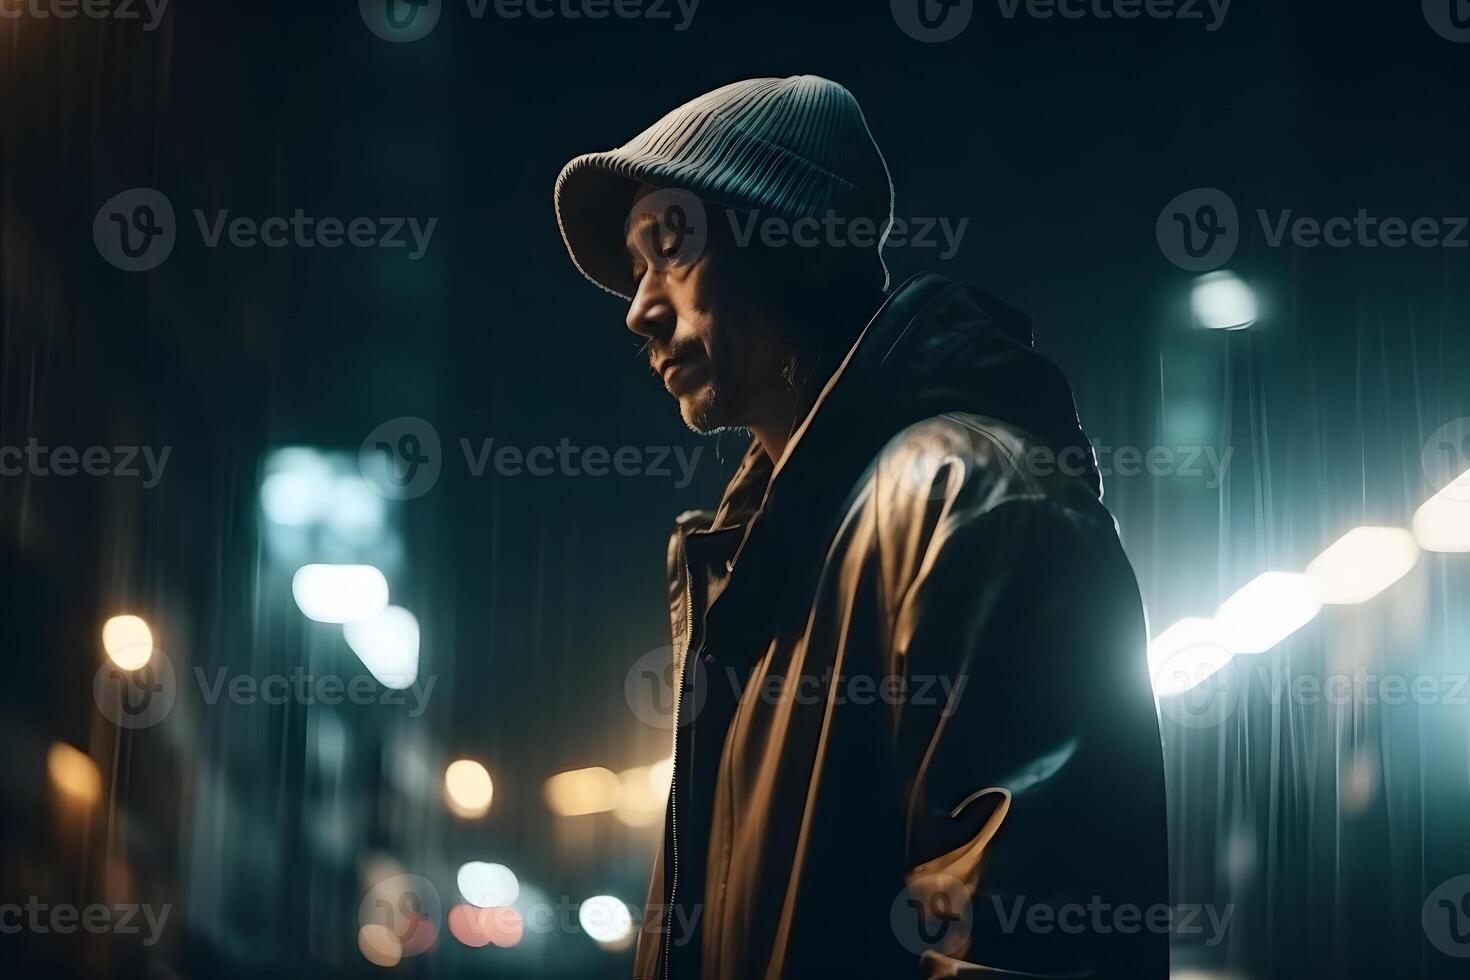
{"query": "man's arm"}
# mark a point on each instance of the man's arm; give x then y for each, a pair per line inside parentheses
(1035, 789)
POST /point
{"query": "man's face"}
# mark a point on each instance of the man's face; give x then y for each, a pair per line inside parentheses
(709, 341)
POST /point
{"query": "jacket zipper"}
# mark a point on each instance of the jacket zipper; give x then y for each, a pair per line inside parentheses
(674, 771)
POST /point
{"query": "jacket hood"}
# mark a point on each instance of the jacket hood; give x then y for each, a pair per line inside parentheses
(947, 347)
(934, 346)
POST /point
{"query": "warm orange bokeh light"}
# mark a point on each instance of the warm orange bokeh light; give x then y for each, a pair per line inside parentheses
(74, 773)
(128, 641)
(467, 789)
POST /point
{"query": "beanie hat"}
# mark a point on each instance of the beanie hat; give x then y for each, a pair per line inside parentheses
(791, 148)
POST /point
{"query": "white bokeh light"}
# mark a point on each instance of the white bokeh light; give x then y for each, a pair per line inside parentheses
(1267, 610)
(1443, 523)
(1222, 301)
(606, 919)
(339, 593)
(488, 885)
(388, 645)
(1362, 563)
(1186, 655)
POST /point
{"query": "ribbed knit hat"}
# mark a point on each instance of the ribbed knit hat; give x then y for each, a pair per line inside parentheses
(790, 148)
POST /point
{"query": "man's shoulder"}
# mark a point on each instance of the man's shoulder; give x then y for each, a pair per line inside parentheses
(968, 494)
(962, 459)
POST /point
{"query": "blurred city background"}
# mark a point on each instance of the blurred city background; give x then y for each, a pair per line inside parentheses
(299, 656)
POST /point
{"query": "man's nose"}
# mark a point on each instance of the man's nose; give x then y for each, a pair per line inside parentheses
(650, 314)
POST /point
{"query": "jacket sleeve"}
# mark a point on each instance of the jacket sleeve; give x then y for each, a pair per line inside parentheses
(1034, 786)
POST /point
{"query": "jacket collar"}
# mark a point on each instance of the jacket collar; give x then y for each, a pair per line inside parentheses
(934, 346)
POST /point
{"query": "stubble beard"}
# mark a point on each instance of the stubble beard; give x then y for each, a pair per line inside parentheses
(707, 412)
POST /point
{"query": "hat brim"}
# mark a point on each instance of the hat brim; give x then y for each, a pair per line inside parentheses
(594, 194)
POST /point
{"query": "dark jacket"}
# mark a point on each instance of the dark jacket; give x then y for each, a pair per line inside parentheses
(915, 730)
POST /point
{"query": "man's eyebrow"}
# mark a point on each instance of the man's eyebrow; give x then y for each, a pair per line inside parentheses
(636, 228)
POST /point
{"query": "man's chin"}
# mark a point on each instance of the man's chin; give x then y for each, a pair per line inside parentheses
(704, 412)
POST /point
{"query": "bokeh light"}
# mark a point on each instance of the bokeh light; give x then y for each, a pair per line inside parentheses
(487, 885)
(476, 927)
(1442, 523)
(339, 593)
(1267, 610)
(128, 641)
(296, 490)
(379, 946)
(605, 919)
(1362, 563)
(1221, 301)
(583, 791)
(74, 773)
(388, 645)
(1186, 655)
(467, 789)
(643, 794)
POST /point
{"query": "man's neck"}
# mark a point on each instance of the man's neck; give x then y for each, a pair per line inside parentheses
(785, 415)
(789, 407)
(773, 440)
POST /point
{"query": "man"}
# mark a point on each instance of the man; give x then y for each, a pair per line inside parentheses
(944, 760)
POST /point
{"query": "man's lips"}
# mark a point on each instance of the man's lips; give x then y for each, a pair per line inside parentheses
(681, 373)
